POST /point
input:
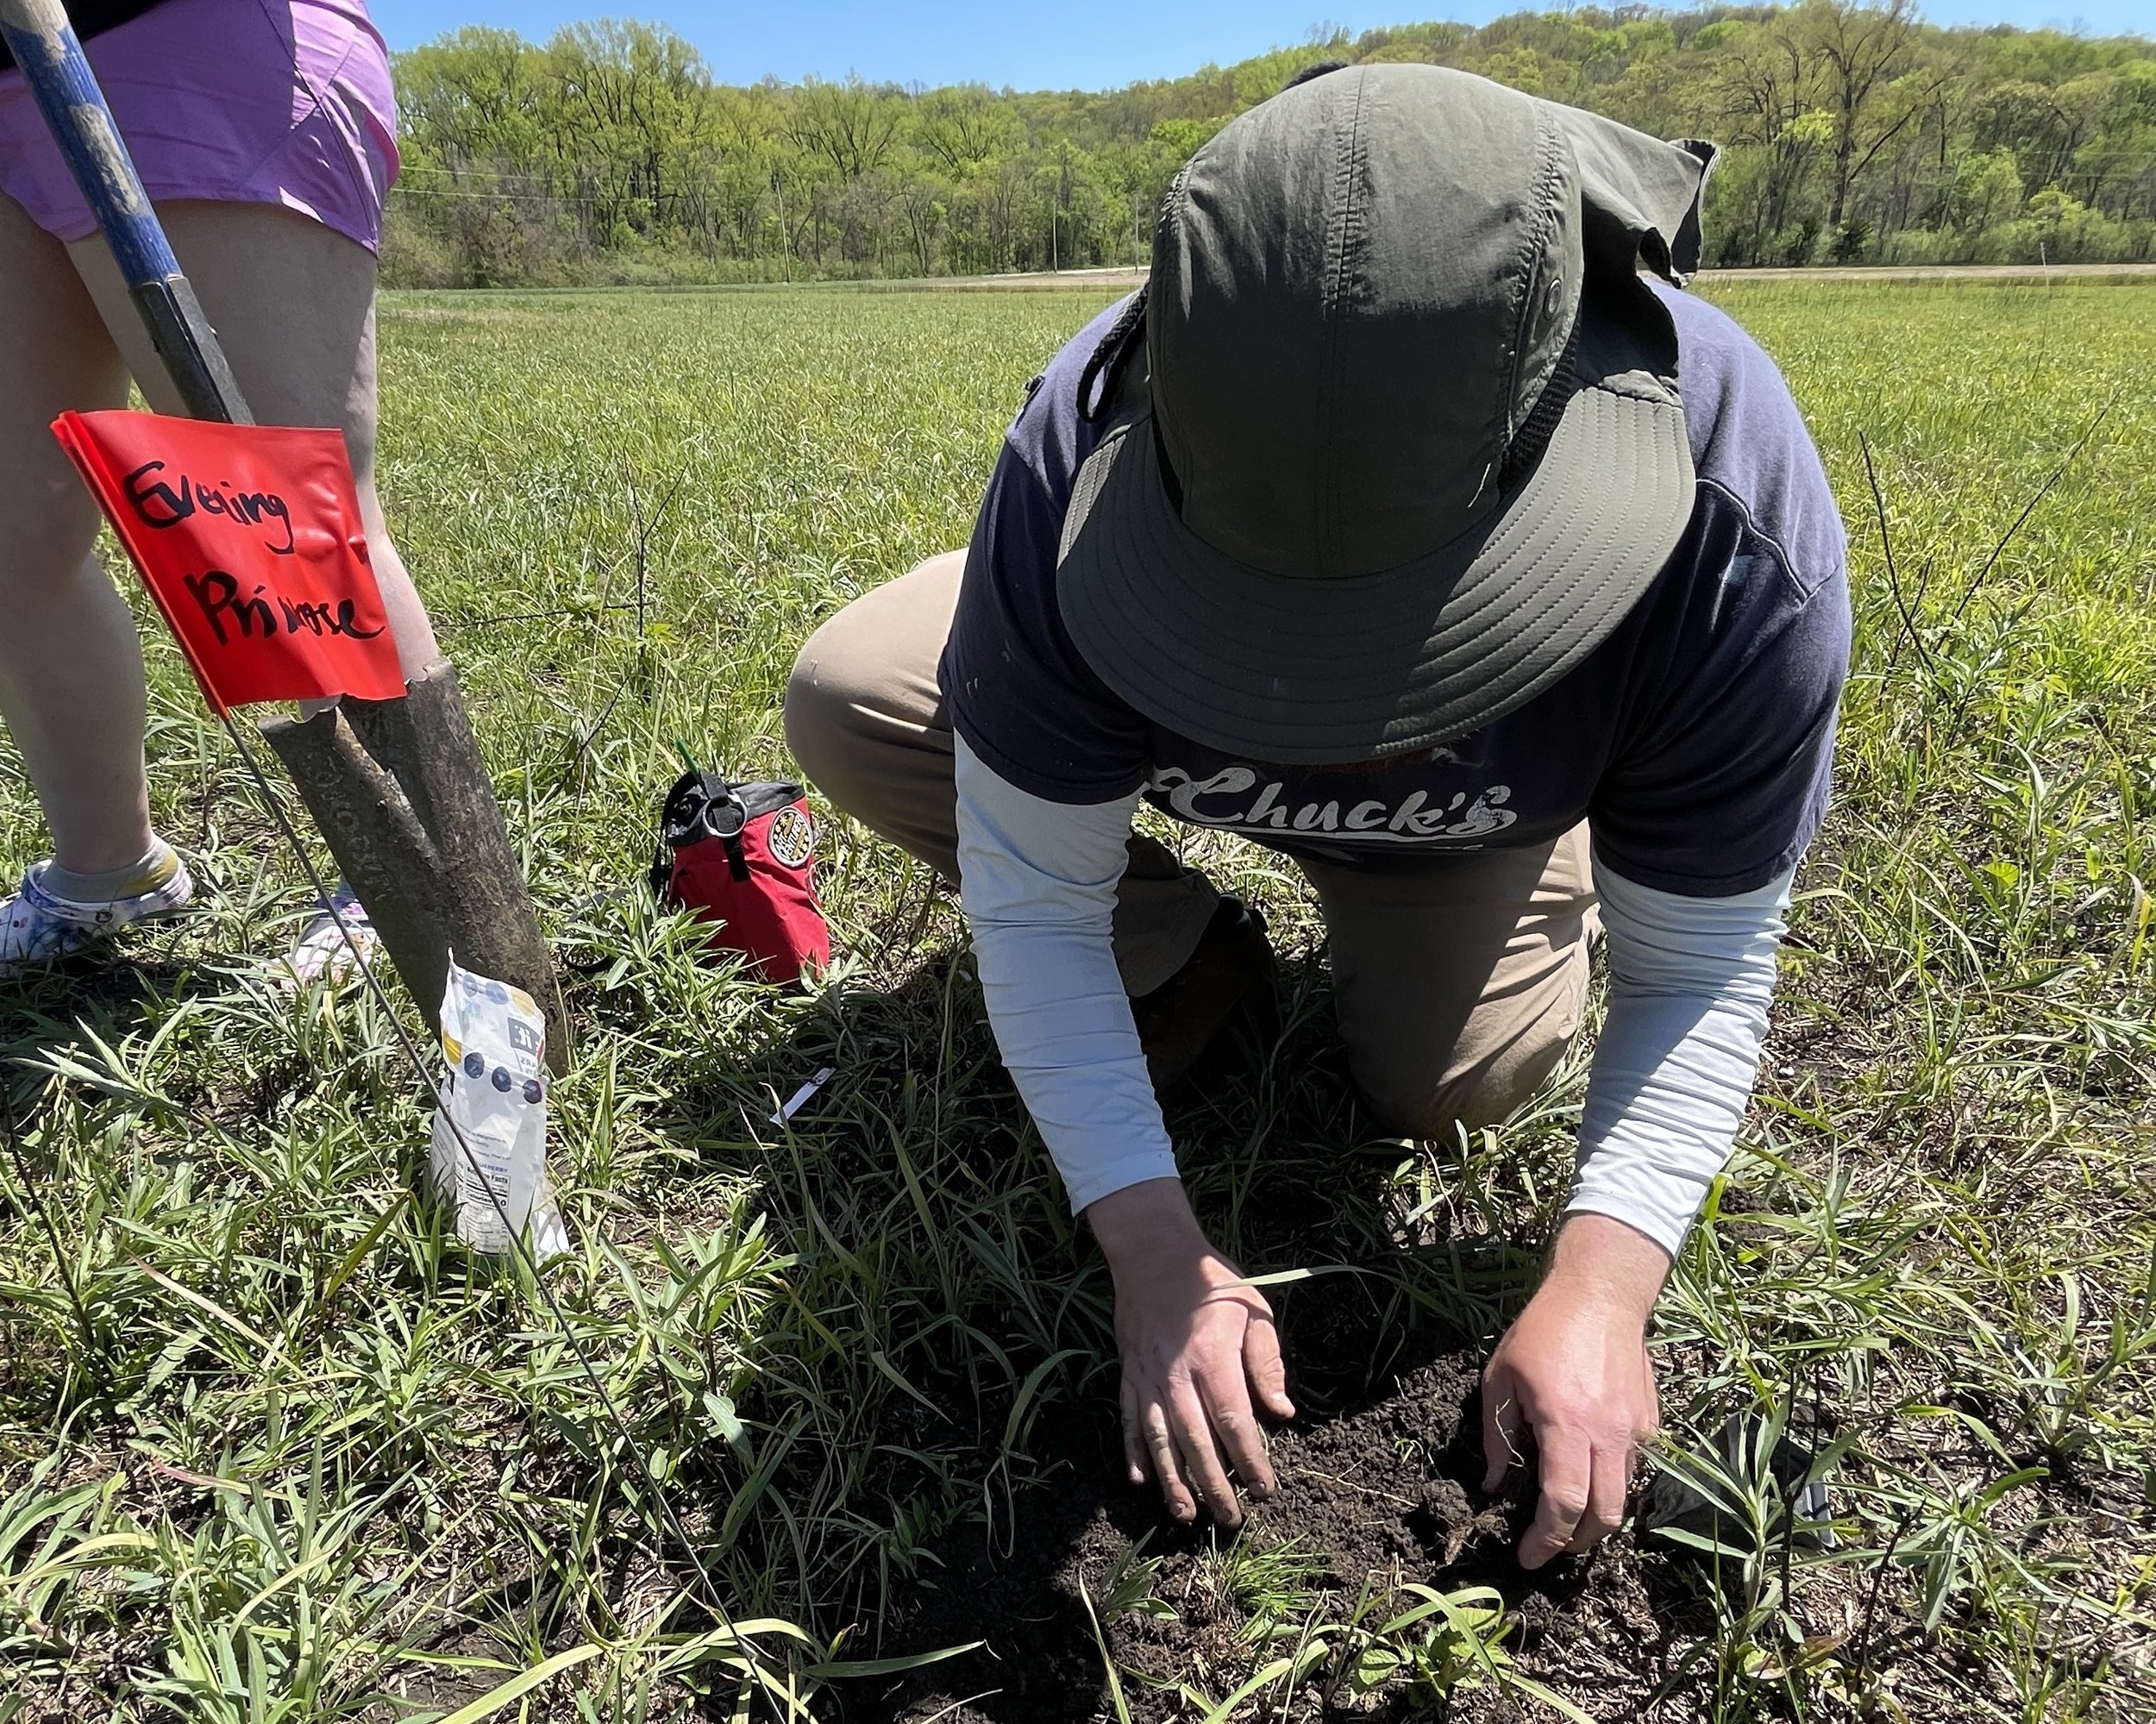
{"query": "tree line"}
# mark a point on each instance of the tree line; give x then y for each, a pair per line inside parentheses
(1851, 133)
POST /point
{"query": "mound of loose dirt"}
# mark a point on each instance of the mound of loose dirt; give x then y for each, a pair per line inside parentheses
(1388, 1492)
(1380, 1487)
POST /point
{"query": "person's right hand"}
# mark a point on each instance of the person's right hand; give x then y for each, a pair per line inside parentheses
(1196, 1348)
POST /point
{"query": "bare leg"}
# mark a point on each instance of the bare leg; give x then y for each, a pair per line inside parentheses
(293, 304)
(71, 668)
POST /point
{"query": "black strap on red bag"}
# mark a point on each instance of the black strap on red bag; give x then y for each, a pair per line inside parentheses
(742, 857)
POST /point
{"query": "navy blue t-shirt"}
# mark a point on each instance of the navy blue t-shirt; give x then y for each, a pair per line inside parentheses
(1696, 740)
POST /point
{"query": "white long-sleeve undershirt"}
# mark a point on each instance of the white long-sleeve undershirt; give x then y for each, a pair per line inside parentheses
(1690, 981)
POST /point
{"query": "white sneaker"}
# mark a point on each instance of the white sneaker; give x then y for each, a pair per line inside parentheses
(321, 952)
(38, 925)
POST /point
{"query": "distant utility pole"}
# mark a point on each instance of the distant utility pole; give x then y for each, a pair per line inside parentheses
(785, 236)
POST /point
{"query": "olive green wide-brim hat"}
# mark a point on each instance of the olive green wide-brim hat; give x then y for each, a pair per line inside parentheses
(1406, 444)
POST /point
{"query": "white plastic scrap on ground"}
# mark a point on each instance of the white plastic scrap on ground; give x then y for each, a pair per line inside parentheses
(494, 1037)
(796, 1101)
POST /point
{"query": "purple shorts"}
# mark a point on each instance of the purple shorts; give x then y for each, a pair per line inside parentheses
(284, 102)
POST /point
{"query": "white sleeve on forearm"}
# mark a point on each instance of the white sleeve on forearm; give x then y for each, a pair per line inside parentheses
(1690, 980)
(1038, 882)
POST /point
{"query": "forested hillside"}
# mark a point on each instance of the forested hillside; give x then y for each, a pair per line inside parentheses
(1852, 133)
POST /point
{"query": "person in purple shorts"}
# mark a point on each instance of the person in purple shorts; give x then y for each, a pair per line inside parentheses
(265, 133)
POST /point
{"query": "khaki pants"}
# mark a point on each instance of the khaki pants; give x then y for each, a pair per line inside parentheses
(1458, 986)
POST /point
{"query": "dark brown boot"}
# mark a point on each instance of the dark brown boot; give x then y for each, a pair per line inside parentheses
(1231, 971)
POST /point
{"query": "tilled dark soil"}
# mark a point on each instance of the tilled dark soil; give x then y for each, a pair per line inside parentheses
(1380, 1487)
(1388, 1494)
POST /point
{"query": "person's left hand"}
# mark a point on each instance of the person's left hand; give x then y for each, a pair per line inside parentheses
(1574, 1370)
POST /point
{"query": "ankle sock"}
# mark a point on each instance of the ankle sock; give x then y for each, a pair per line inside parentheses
(154, 870)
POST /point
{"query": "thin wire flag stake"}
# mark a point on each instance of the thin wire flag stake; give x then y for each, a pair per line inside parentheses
(44, 44)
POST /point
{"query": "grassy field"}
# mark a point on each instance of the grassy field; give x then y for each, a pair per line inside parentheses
(272, 1447)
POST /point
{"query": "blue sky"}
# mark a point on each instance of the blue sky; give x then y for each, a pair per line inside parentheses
(1080, 44)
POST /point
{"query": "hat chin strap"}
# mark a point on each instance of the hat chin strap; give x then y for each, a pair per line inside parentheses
(1171, 481)
(1111, 356)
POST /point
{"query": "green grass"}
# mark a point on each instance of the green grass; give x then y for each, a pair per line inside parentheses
(272, 1447)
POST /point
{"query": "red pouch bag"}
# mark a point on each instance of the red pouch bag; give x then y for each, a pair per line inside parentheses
(742, 857)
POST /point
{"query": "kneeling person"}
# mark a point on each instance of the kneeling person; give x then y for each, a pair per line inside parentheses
(1402, 526)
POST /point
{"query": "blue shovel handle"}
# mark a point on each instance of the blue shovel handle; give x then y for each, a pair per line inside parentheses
(45, 47)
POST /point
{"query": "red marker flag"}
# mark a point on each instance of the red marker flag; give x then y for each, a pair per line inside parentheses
(249, 538)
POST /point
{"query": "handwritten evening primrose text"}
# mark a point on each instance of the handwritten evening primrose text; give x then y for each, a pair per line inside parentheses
(158, 505)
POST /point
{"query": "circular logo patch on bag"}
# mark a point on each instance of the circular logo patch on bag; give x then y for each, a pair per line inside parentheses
(793, 836)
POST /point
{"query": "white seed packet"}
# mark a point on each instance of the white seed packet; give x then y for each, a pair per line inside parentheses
(494, 1037)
